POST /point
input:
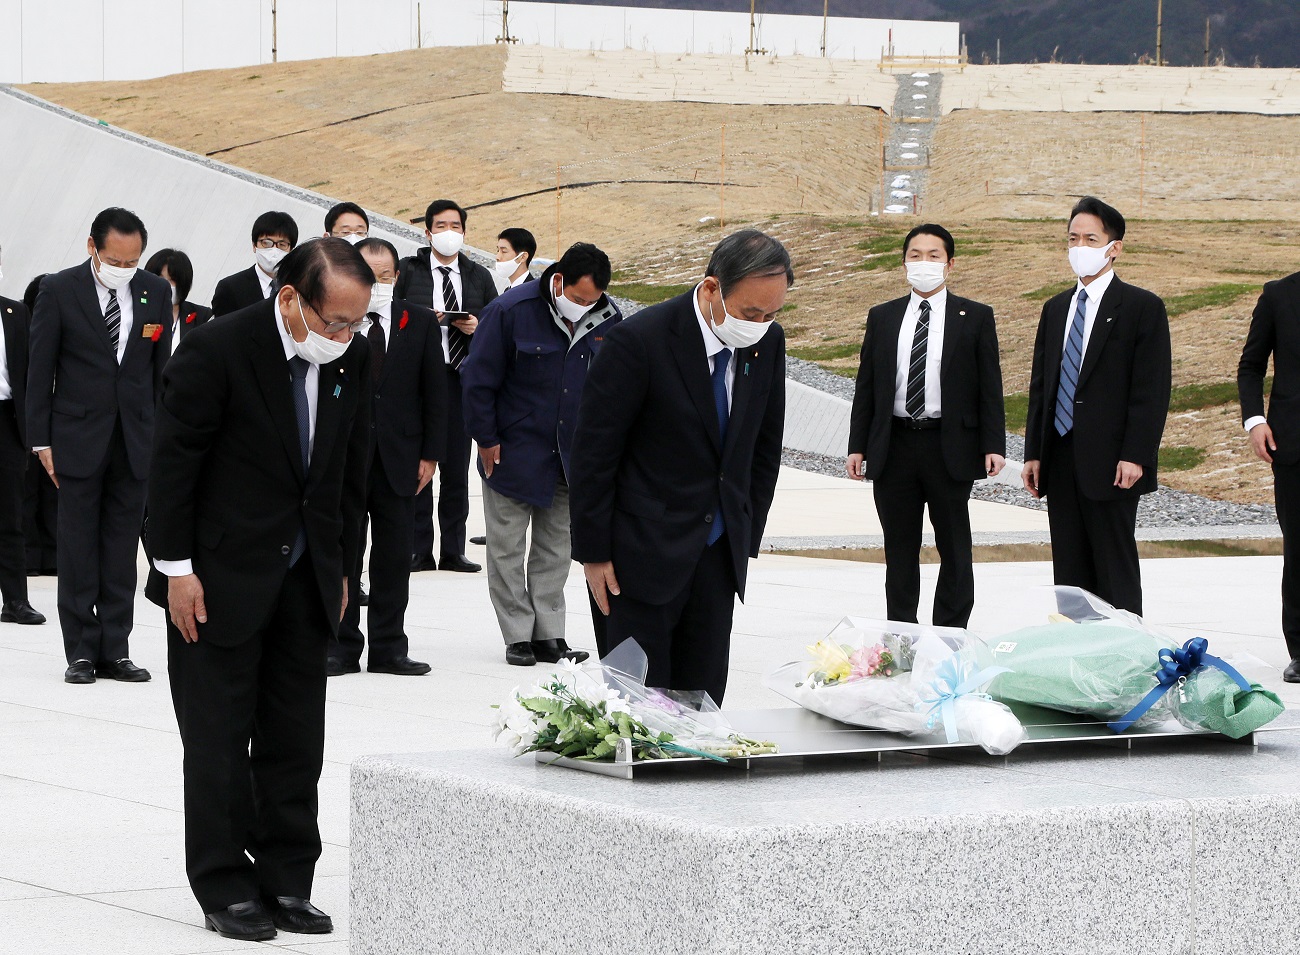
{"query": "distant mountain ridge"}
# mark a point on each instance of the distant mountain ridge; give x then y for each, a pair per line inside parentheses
(1242, 32)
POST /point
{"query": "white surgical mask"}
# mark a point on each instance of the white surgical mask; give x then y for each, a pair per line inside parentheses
(352, 238)
(507, 268)
(317, 349)
(567, 306)
(381, 296)
(925, 277)
(176, 295)
(112, 276)
(447, 243)
(736, 332)
(269, 259)
(1087, 261)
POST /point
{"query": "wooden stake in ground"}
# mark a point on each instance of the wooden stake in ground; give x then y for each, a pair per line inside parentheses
(1142, 165)
(557, 210)
(722, 180)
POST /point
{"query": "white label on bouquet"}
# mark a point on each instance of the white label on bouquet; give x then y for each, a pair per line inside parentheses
(1005, 646)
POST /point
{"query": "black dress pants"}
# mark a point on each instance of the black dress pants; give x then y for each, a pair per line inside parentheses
(390, 517)
(14, 459)
(99, 537)
(1286, 492)
(252, 721)
(40, 519)
(1093, 542)
(687, 639)
(453, 485)
(915, 477)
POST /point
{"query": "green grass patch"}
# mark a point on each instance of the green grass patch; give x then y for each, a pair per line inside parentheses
(789, 307)
(255, 76)
(829, 352)
(1262, 273)
(1195, 397)
(648, 294)
(1212, 296)
(882, 262)
(1048, 291)
(1181, 457)
(1017, 410)
(841, 371)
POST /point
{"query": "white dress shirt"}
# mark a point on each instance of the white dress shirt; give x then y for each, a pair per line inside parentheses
(265, 279)
(438, 304)
(181, 568)
(6, 389)
(933, 353)
(1095, 292)
(386, 323)
(713, 345)
(124, 303)
(521, 280)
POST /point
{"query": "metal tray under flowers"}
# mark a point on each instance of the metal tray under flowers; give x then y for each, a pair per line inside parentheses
(798, 733)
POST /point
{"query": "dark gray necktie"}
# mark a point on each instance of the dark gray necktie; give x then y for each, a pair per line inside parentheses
(916, 367)
(113, 318)
(298, 368)
(378, 347)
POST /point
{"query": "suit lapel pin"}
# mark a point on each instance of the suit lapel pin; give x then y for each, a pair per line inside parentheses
(337, 390)
(961, 313)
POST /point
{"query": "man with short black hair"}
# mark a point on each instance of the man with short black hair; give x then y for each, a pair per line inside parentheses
(515, 251)
(407, 430)
(101, 334)
(927, 422)
(1098, 397)
(347, 221)
(458, 289)
(255, 501)
(675, 460)
(523, 382)
(275, 235)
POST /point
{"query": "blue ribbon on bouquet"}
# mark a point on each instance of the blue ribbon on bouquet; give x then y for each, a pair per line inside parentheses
(1175, 666)
(951, 682)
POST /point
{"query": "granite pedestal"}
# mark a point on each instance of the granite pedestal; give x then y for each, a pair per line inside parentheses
(1190, 845)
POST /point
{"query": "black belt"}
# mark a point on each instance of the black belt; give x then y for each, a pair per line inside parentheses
(917, 424)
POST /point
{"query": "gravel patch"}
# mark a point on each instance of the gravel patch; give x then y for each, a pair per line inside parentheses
(815, 376)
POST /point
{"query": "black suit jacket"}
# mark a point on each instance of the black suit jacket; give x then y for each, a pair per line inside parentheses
(227, 491)
(76, 390)
(1122, 397)
(192, 316)
(237, 291)
(409, 422)
(14, 317)
(647, 470)
(1275, 331)
(970, 387)
(415, 282)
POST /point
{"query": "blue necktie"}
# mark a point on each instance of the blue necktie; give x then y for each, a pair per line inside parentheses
(721, 364)
(302, 411)
(1071, 361)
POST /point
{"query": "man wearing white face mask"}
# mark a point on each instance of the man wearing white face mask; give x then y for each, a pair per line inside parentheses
(675, 460)
(275, 235)
(515, 251)
(101, 334)
(457, 288)
(1098, 397)
(408, 428)
(255, 500)
(347, 221)
(928, 422)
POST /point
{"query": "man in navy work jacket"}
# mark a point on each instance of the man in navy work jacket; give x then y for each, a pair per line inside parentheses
(522, 382)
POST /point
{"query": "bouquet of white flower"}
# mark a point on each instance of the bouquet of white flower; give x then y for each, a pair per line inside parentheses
(902, 678)
(583, 712)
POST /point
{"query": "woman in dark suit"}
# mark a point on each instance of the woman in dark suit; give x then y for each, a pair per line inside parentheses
(175, 266)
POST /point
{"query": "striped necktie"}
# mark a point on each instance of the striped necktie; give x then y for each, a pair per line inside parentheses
(916, 366)
(457, 346)
(113, 318)
(1071, 362)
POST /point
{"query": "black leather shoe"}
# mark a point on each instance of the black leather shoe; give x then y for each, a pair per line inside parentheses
(20, 611)
(1292, 672)
(123, 670)
(246, 921)
(423, 563)
(553, 651)
(364, 599)
(520, 654)
(300, 916)
(402, 666)
(459, 564)
(481, 541)
(83, 671)
(336, 667)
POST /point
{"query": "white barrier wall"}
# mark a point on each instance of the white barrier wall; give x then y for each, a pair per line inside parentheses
(186, 201)
(61, 41)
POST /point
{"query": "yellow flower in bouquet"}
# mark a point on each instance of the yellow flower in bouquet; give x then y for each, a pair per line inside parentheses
(830, 662)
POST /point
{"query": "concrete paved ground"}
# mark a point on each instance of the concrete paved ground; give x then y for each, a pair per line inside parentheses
(90, 785)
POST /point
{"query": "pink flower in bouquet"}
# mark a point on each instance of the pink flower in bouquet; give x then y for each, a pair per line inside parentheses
(871, 661)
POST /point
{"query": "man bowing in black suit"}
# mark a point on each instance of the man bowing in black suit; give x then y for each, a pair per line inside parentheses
(408, 430)
(675, 460)
(254, 519)
(1275, 437)
(1098, 397)
(928, 421)
(100, 337)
